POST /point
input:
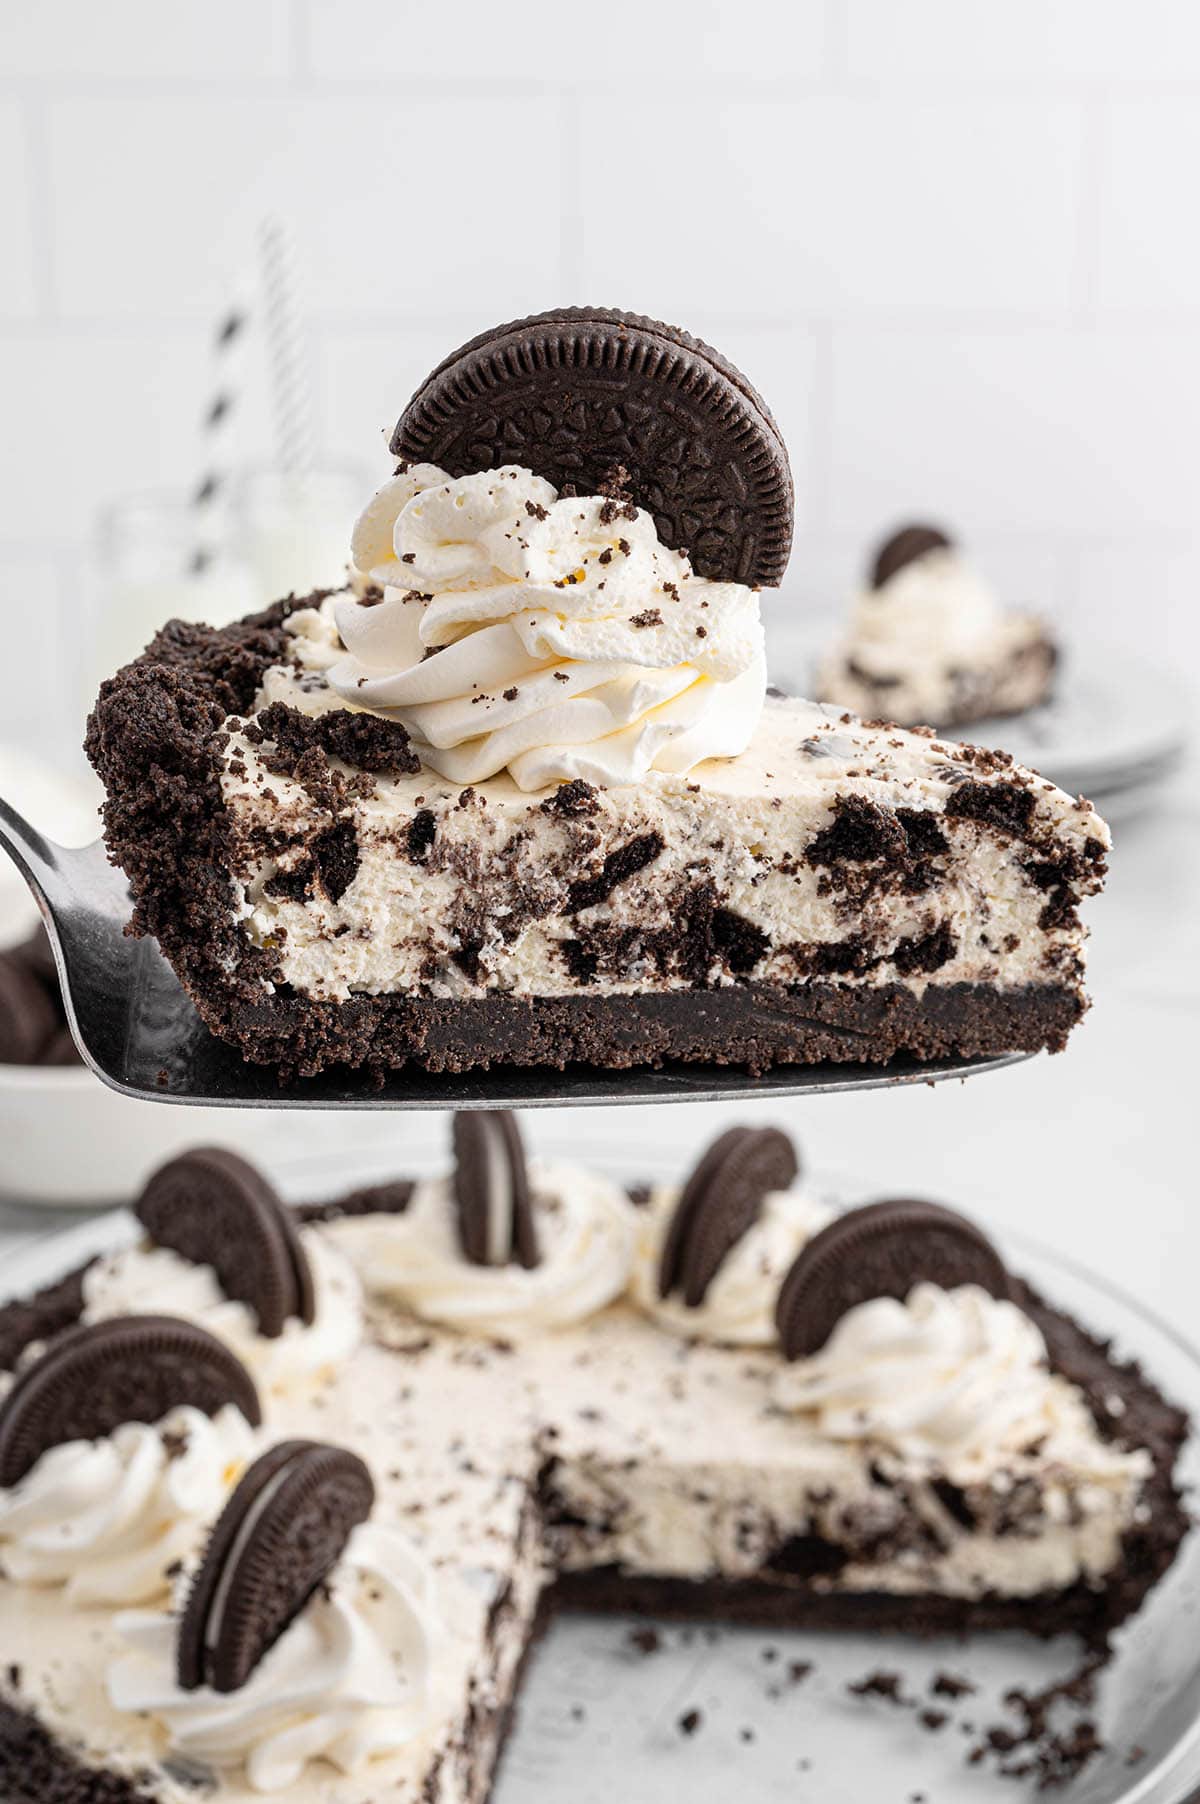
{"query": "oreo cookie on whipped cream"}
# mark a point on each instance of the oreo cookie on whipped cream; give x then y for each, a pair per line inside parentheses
(881, 1250)
(720, 1201)
(214, 1208)
(279, 1536)
(491, 1188)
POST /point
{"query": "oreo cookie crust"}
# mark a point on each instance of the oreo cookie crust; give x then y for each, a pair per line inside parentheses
(881, 1250)
(28, 1018)
(720, 1201)
(131, 1369)
(215, 1209)
(277, 1539)
(580, 392)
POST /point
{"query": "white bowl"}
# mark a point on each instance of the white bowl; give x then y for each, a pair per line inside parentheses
(67, 1140)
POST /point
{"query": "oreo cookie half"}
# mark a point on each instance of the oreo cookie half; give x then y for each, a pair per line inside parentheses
(903, 548)
(580, 392)
(720, 1201)
(280, 1534)
(880, 1251)
(37, 954)
(28, 1017)
(213, 1208)
(491, 1189)
(135, 1368)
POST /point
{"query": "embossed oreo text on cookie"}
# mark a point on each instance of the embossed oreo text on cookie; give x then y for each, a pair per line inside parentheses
(92, 1379)
(720, 1201)
(213, 1208)
(882, 1250)
(279, 1536)
(585, 395)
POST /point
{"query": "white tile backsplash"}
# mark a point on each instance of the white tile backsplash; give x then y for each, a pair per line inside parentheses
(143, 41)
(1052, 430)
(1024, 43)
(164, 222)
(18, 265)
(950, 242)
(843, 203)
(1147, 247)
(945, 40)
(33, 710)
(628, 42)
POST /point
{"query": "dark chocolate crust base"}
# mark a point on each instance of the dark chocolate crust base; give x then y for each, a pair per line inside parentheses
(156, 738)
(753, 1024)
(1128, 1409)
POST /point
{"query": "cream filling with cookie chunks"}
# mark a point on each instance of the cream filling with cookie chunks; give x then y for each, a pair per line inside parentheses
(607, 1436)
(461, 891)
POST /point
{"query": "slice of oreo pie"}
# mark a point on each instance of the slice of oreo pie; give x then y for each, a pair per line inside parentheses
(280, 1534)
(215, 1209)
(881, 1250)
(96, 1377)
(491, 1189)
(720, 1201)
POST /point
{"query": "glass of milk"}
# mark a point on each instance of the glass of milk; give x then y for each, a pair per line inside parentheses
(292, 528)
(158, 557)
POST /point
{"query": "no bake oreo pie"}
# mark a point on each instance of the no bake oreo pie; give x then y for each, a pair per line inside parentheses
(640, 1410)
(928, 641)
(518, 794)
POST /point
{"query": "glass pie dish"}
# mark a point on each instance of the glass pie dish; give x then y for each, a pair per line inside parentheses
(713, 1711)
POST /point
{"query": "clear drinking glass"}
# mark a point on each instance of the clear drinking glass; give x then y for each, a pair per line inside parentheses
(292, 528)
(158, 556)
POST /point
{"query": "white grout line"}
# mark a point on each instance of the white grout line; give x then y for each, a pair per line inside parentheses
(41, 210)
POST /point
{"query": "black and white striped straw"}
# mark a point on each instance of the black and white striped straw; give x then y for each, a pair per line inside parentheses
(218, 426)
(287, 362)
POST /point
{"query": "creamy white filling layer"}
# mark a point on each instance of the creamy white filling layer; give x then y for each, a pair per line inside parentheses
(496, 865)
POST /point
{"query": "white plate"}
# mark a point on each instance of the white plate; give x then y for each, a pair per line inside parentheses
(1111, 719)
(68, 1141)
(598, 1720)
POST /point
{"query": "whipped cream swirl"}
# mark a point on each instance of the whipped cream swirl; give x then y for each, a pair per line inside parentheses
(934, 612)
(107, 1519)
(585, 1233)
(955, 1379)
(348, 1680)
(569, 642)
(147, 1276)
(739, 1306)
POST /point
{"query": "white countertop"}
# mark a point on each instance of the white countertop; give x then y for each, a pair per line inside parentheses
(1096, 1151)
